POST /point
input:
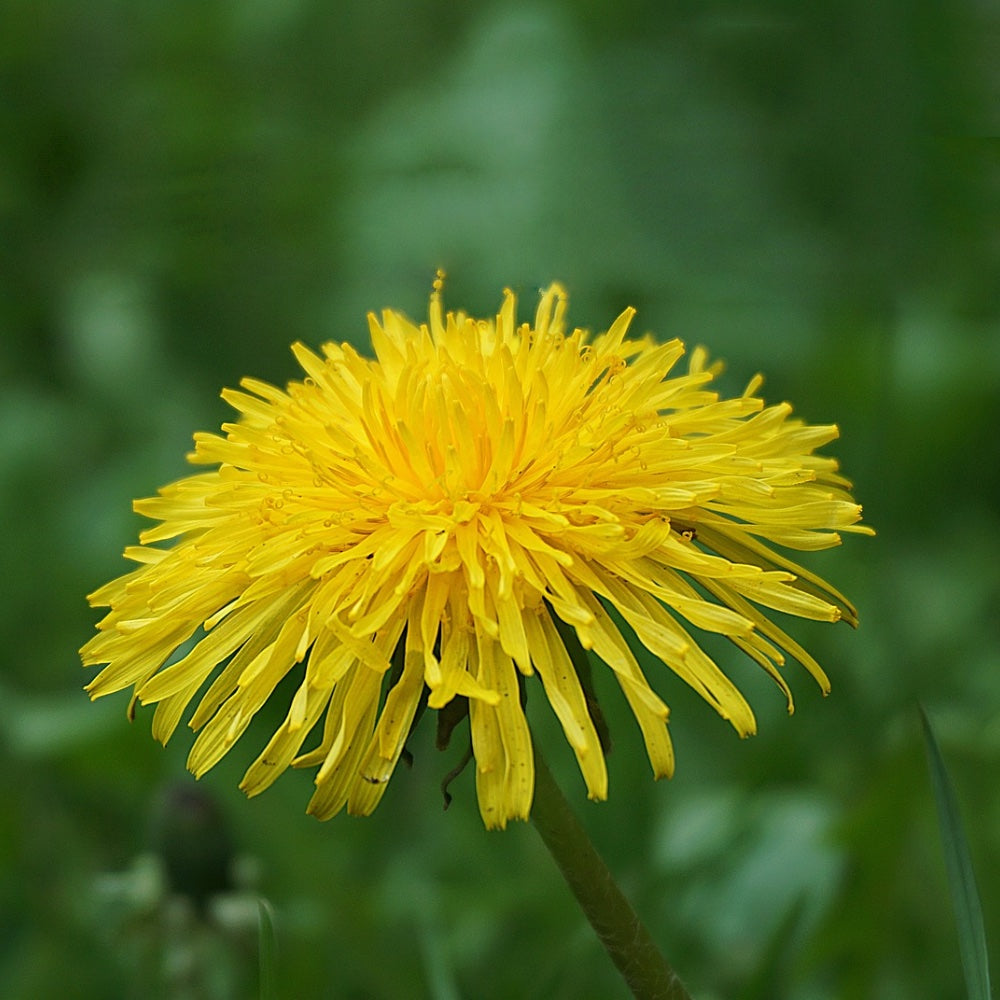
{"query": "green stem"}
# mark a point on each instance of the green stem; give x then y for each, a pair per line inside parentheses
(625, 938)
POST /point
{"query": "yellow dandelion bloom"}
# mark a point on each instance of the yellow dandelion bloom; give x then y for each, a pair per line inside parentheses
(440, 523)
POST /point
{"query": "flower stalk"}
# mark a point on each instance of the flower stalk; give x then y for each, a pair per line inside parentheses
(625, 938)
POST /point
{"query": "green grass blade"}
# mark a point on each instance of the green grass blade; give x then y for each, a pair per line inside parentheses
(961, 878)
(267, 950)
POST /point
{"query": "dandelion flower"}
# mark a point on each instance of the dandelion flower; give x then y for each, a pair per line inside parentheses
(475, 506)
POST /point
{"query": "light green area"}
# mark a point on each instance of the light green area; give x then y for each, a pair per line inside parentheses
(810, 190)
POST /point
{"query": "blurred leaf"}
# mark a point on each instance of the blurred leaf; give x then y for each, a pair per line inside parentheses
(961, 878)
(51, 724)
(268, 947)
(772, 974)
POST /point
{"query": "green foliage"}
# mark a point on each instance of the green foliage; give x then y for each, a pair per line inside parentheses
(267, 946)
(961, 877)
(187, 188)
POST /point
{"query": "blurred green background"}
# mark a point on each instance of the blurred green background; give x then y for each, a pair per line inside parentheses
(811, 190)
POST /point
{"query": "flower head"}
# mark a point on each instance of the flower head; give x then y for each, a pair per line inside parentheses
(477, 505)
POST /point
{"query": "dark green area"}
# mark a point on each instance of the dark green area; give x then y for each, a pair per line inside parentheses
(810, 190)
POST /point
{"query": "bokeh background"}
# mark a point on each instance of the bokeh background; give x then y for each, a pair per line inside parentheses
(811, 190)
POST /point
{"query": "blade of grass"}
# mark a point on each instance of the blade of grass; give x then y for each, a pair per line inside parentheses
(267, 950)
(961, 878)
